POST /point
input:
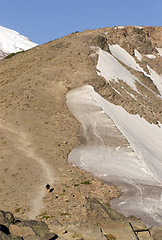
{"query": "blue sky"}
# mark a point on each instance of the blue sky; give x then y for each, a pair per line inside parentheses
(45, 20)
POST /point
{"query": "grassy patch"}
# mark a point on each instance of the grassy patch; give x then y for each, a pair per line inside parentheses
(76, 184)
(110, 237)
(86, 182)
(76, 235)
(13, 54)
(45, 216)
(17, 210)
(65, 214)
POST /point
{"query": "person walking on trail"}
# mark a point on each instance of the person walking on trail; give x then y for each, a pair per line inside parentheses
(49, 189)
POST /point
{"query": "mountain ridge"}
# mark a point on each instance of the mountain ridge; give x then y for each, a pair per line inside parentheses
(33, 102)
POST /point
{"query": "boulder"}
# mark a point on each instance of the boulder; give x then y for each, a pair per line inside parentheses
(156, 233)
(6, 218)
(14, 229)
(101, 42)
(21, 231)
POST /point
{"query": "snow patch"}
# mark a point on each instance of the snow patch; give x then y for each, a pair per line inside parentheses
(151, 56)
(138, 55)
(112, 70)
(122, 55)
(160, 51)
(140, 27)
(119, 27)
(156, 78)
(130, 94)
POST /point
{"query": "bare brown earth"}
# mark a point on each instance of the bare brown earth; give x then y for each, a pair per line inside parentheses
(37, 131)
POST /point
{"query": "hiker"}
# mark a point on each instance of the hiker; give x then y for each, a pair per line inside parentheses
(49, 189)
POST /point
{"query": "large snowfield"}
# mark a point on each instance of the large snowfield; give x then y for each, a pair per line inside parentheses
(119, 147)
(12, 42)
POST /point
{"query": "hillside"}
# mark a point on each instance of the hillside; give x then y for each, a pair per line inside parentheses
(38, 130)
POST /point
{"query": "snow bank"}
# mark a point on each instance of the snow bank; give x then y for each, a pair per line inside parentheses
(106, 153)
(144, 138)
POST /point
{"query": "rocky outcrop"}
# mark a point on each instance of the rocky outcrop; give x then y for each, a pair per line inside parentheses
(15, 229)
(101, 42)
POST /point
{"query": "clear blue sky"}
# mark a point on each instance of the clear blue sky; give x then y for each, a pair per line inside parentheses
(45, 20)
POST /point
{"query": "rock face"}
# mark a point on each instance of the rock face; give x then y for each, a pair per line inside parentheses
(15, 229)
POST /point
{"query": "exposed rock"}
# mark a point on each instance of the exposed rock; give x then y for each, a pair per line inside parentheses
(156, 233)
(3, 236)
(6, 218)
(23, 229)
(101, 42)
(88, 231)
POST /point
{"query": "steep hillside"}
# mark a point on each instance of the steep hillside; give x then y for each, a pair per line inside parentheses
(38, 131)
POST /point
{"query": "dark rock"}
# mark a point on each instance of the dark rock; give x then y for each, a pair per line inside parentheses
(40, 228)
(30, 237)
(9, 216)
(6, 218)
(50, 236)
(101, 42)
(21, 231)
(4, 229)
(12, 229)
(4, 236)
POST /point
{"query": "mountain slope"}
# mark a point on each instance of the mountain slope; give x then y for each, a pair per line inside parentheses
(34, 112)
(12, 42)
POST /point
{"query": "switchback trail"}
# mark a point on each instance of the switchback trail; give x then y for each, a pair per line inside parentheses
(33, 185)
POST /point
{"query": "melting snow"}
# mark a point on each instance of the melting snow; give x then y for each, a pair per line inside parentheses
(106, 155)
(150, 56)
(130, 94)
(111, 69)
(138, 55)
(157, 79)
(122, 55)
(160, 51)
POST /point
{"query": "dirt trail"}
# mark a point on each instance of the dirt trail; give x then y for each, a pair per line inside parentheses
(20, 141)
